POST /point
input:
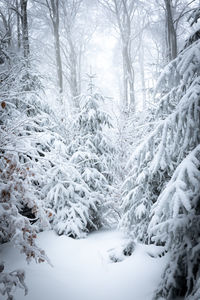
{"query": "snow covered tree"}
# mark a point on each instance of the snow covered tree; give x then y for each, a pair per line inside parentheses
(70, 199)
(91, 151)
(176, 134)
(24, 121)
(78, 188)
(175, 223)
(21, 164)
(176, 214)
(162, 191)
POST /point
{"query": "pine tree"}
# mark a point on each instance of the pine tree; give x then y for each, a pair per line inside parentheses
(162, 191)
(78, 185)
(92, 151)
(176, 214)
(70, 200)
(176, 134)
(175, 223)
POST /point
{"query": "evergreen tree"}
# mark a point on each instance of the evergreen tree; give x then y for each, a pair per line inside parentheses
(176, 134)
(79, 189)
(70, 200)
(92, 153)
(176, 214)
(162, 191)
(175, 223)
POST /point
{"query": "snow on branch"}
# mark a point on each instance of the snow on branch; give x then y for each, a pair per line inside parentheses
(11, 281)
(179, 198)
(175, 223)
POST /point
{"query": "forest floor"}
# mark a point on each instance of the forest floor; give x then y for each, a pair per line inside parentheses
(82, 269)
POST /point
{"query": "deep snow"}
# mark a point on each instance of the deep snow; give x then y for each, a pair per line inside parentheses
(82, 269)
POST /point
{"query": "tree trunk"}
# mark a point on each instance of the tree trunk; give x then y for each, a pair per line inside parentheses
(73, 80)
(18, 26)
(79, 70)
(54, 16)
(125, 83)
(25, 38)
(171, 32)
(58, 57)
(123, 15)
(141, 64)
(129, 94)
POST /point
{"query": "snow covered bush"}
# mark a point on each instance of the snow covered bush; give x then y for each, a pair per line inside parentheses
(22, 127)
(122, 252)
(27, 132)
(10, 281)
(15, 190)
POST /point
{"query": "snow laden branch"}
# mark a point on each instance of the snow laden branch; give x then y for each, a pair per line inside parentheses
(11, 281)
(175, 223)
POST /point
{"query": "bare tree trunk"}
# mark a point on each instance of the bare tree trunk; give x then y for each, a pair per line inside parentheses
(131, 80)
(7, 39)
(18, 26)
(25, 37)
(125, 82)
(71, 49)
(123, 11)
(53, 7)
(79, 70)
(73, 80)
(58, 57)
(141, 64)
(171, 32)
(129, 95)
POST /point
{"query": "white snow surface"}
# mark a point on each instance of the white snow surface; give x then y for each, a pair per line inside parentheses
(82, 269)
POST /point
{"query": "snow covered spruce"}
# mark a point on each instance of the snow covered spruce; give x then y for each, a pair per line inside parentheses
(161, 192)
(175, 223)
(79, 190)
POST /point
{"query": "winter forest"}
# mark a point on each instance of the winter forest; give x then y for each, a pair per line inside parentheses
(100, 149)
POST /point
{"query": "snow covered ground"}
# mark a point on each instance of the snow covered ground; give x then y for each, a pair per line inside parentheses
(82, 269)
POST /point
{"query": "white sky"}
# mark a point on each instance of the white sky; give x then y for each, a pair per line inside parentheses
(100, 57)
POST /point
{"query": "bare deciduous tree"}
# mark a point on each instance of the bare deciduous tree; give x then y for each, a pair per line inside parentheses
(70, 10)
(123, 11)
(24, 21)
(53, 7)
(171, 36)
(174, 13)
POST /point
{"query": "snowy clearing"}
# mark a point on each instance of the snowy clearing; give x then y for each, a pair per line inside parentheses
(82, 269)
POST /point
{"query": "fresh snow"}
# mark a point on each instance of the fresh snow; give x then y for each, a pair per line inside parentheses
(82, 269)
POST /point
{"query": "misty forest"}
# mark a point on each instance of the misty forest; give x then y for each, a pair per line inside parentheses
(100, 149)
